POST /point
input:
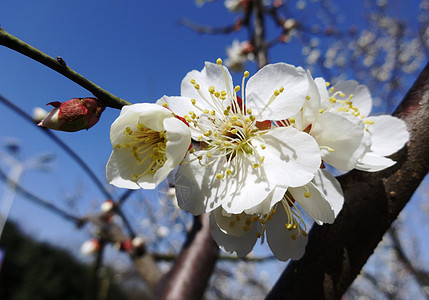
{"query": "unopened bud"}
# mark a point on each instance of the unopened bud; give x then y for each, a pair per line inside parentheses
(73, 115)
(107, 206)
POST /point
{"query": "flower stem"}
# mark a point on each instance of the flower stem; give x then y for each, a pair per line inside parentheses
(11, 42)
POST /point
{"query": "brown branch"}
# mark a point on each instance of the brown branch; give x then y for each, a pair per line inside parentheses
(336, 253)
(259, 38)
(189, 276)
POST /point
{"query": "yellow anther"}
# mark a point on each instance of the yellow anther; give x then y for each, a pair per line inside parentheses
(351, 96)
(192, 114)
(331, 90)
(197, 86)
(276, 93)
(219, 61)
(249, 111)
(327, 83)
(222, 97)
(206, 111)
(246, 74)
(255, 166)
(237, 88)
(307, 98)
(212, 112)
(307, 195)
(228, 171)
(288, 226)
(187, 118)
(231, 224)
(234, 131)
(321, 111)
(117, 146)
(304, 233)
(209, 154)
(219, 176)
(342, 95)
(281, 89)
(226, 144)
(292, 120)
(193, 81)
(223, 93)
(217, 94)
(228, 125)
(200, 137)
(165, 104)
(215, 134)
(135, 176)
(211, 90)
(252, 118)
(262, 159)
(368, 122)
(193, 101)
(332, 99)
(247, 120)
(258, 234)
(293, 237)
(263, 146)
(200, 157)
(331, 150)
(192, 151)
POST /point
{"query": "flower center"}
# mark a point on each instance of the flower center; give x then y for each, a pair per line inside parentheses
(226, 128)
(147, 146)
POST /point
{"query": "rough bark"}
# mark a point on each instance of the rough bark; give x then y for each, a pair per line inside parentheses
(336, 253)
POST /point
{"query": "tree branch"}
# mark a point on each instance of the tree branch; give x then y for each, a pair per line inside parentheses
(11, 42)
(189, 276)
(336, 253)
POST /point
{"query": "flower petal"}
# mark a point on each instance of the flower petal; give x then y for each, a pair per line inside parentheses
(361, 95)
(316, 206)
(260, 88)
(343, 135)
(371, 162)
(388, 134)
(178, 141)
(242, 245)
(291, 156)
(280, 239)
(331, 188)
(211, 75)
(120, 170)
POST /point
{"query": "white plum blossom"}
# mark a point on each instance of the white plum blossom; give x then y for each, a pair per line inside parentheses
(240, 160)
(385, 134)
(282, 223)
(340, 136)
(148, 142)
(238, 54)
(90, 247)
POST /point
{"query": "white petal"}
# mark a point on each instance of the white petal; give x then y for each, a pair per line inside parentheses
(280, 239)
(178, 141)
(372, 162)
(311, 107)
(211, 75)
(264, 207)
(331, 188)
(361, 95)
(242, 245)
(323, 92)
(181, 106)
(291, 156)
(316, 206)
(229, 223)
(344, 136)
(121, 174)
(260, 88)
(388, 134)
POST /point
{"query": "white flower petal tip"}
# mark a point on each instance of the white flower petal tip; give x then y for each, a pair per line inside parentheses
(148, 142)
(241, 158)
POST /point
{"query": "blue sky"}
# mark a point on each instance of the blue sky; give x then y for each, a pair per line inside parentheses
(134, 49)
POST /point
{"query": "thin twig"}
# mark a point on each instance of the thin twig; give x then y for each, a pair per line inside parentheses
(11, 42)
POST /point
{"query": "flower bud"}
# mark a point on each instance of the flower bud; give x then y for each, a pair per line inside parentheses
(73, 115)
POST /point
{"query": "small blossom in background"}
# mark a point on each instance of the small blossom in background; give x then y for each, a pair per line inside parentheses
(73, 115)
(90, 247)
(241, 161)
(238, 54)
(148, 142)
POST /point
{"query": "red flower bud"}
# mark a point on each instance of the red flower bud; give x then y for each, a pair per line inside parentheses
(73, 115)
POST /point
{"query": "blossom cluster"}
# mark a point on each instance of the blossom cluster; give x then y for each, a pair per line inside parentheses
(254, 155)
